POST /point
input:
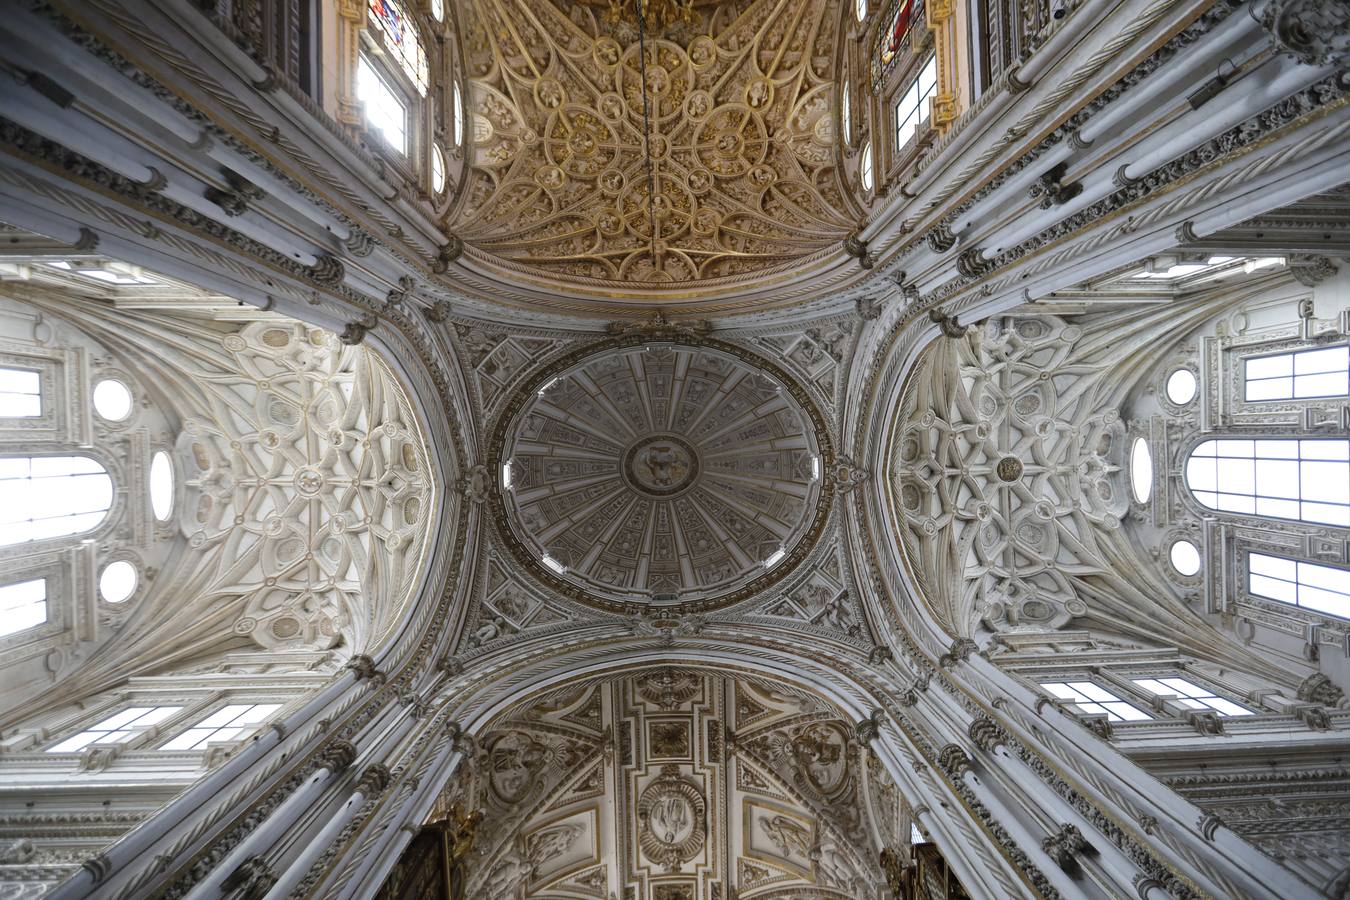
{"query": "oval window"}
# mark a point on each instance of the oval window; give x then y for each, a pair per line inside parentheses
(865, 167)
(1141, 470)
(1185, 557)
(112, 400)
(1181, 387)
(161, 485)
(118, 581)
(437, 168)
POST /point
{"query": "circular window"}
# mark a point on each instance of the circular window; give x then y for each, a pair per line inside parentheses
(1141, 470)
(112, 400)
(1185, 557)
(1181, 386)
(437, 168)
(161, 485)
(865, 167)
(118, 581)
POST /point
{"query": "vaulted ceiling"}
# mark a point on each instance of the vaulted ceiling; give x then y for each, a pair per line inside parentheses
(744, 183)
(673, 784)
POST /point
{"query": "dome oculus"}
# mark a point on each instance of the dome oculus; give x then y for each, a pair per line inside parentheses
(661, 473)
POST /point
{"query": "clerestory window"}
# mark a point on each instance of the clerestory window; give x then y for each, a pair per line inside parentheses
(1192, 695)
(1323, 589)
(116, 729)
(384, 111)
(913, 109)
(51, 496)
(1304, 480)
(1092, 699)
(1301, 375)
(20, 394)
(23, 605)
(230, 723)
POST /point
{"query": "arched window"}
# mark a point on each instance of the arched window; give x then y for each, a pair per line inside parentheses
(865, 173)
(51, 496)
(1306, 480)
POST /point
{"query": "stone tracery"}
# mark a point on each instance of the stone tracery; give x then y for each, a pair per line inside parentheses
(746, 177)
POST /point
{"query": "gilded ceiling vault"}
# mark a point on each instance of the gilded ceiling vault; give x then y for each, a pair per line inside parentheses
(745, 176)
(677, 783)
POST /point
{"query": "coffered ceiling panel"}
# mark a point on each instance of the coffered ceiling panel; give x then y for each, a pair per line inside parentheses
(677, 784)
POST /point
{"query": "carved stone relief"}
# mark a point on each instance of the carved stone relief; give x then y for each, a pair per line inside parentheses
(737, 115)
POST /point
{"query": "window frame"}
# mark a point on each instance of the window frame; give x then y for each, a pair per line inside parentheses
(1244, 361)
(923, 108)
(1202, 693)
(1113, 716)
(41, 394)
(1205, 508)
(137, 738)
(204, 742)
(1246, 573)
(399, 96)
(111, 514)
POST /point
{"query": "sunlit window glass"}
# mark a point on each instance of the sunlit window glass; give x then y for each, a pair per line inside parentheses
(20, 394)
(1093, 699)
(23, 605)
(1297, 376)
(845, 112)
(1323, 589)
(912, 111)
(229, 723)
(50, 496)
(1192, 695)
(385, 112)
(116, 729)
(1308, 480)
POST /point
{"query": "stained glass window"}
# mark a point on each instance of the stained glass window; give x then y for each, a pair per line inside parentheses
(904, 15)
(398, 34)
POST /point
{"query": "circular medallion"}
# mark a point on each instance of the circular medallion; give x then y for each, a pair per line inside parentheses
(683, 474)
(661, 466)
(1009, 468)
(671, 816)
